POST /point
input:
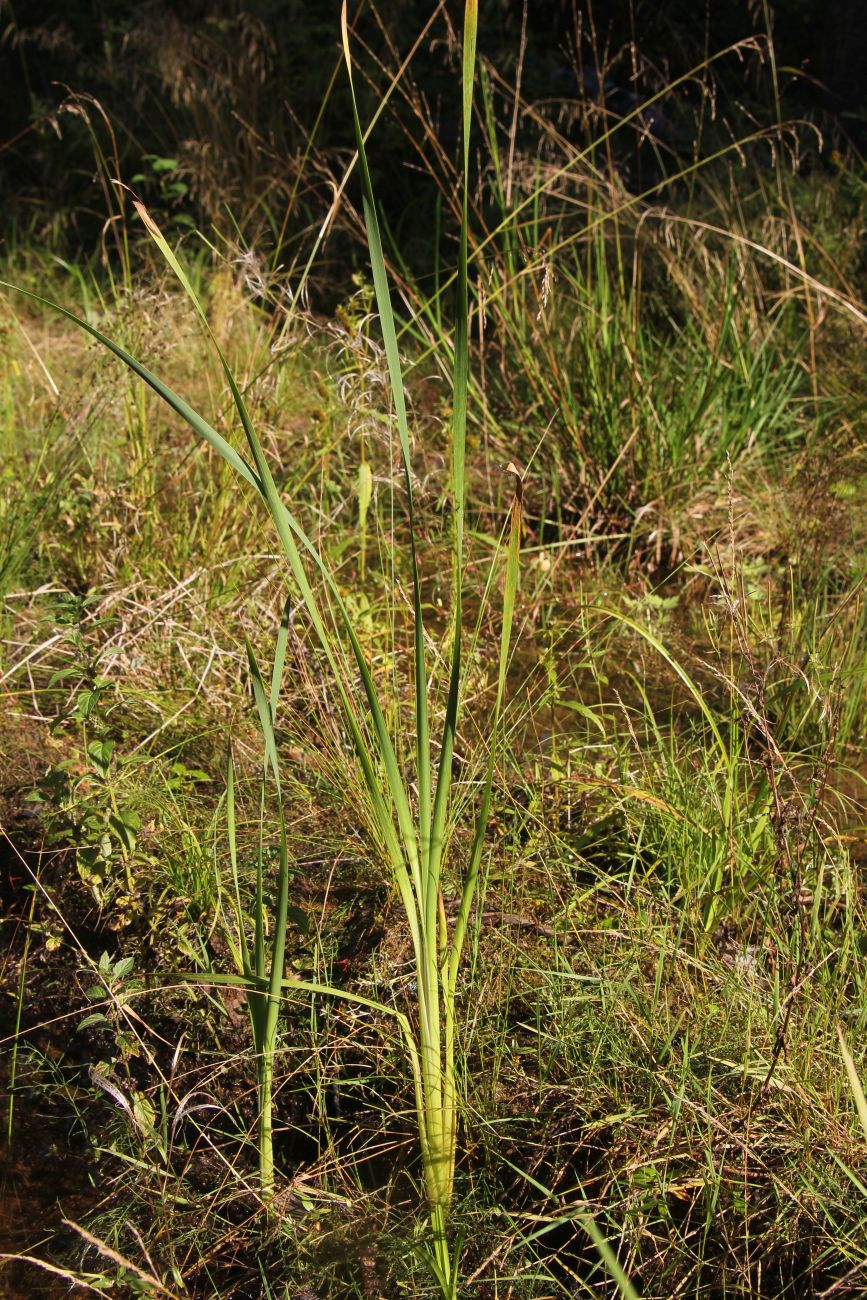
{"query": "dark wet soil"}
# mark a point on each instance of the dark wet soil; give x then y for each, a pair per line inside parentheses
(44, 1182)
(43, 1157)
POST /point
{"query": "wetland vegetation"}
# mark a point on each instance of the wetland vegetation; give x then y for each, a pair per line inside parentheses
(432, 758)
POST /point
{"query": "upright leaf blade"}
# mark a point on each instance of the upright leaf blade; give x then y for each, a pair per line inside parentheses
(243, 946)
(389, 336)
(854, 1082)
(169, 396)
(280, 656)
(459, 436)
(266, 720)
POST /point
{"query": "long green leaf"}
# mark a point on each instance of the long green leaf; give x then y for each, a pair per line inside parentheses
(459, 437)
(250, 983)
(389, 336)
(681, 672)
(278, 938)
(266, 722)
(423, 881)
(243, 947)
(580, 1214)
(452, 959)
(291, 534)
(280, 656)
(169, 396)
(854, 1082)
(509, 596)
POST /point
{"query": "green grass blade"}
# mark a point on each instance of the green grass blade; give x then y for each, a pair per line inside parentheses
(291, 534)
(263, 706)
(280, 657)
(389, 336)
(259, 909)
(169, 396)
(424, 886)
(451, 961)
(252, 984)
(854, 1082)
(278, 938)
(604, 1248)
(278, 942)
(459, 437)
(243, 947)
(583, 1216)
(690, 685)
(509, 597)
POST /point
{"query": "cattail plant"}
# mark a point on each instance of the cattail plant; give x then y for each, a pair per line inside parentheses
(412, 832)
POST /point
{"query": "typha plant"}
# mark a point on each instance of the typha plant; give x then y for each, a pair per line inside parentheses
(411, 822)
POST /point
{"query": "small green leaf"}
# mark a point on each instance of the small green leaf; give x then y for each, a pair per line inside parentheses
(99, 752)
(85, 704)
(126, 828)
(122, 968)
(585, 712)
(96, 1019)
(162, 164)
(62, 674)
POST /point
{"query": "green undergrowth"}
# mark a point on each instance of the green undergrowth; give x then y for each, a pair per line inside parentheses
(674, 920)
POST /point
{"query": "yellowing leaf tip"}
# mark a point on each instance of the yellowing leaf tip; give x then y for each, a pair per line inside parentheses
(344, 33)
(152, 227)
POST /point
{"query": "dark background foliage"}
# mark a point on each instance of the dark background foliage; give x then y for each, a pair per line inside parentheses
(212, 101)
